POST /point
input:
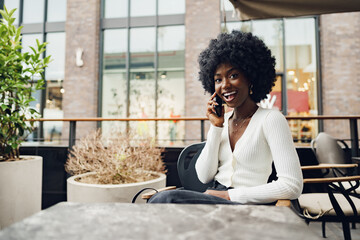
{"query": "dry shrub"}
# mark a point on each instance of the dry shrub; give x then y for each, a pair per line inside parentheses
(119, 158)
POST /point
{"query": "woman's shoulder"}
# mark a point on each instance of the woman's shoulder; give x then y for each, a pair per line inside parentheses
(270, 114)
(268, 111)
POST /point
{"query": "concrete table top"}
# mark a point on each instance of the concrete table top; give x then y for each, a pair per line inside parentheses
(159, 221)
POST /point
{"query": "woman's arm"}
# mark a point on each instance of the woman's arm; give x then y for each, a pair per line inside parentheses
(207, 163)
(290, 182)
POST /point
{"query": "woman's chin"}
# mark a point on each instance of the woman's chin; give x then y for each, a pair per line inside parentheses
(230, 105)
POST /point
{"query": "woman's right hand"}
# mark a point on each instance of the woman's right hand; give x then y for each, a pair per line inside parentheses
(211, 113)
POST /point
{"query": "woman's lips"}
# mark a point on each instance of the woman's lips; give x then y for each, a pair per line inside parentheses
(229, 96)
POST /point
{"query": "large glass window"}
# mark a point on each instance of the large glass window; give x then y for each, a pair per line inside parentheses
(168, 7)
(33, 11)
(301, 76)
(56, 11)
(171, 86)
(142, 78)
(116, 8)
(140, 8)
(114, 87)
(54, 86)
(149, 82)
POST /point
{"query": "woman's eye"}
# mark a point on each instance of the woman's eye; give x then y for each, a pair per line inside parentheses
(217, 80)
(233, 76)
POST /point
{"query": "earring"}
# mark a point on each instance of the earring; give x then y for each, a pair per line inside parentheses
(251, 91)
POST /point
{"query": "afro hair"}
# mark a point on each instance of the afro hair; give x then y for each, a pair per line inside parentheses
(245, 52)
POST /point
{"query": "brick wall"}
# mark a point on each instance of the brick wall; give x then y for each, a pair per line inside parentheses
(202, 23)
(340, 61)
(81, 83)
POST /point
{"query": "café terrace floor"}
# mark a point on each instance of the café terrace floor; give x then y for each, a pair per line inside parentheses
(334, 231)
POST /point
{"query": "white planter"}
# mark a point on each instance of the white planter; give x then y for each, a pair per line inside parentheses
(85, 192)
(20, 189)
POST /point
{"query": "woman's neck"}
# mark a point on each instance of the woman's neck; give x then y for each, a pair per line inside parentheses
(245, 111)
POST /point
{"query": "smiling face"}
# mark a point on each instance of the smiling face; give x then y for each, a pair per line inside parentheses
(232, 86)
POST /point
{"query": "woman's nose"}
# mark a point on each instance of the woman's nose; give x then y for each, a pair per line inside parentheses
(225, 83)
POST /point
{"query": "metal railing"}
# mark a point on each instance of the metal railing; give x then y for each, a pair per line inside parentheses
(351, 118)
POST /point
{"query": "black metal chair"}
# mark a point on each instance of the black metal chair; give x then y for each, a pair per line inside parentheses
(186, 168)
(335, 152)
(337, 200)
(334, 205)
(333, 156)
(186, 171)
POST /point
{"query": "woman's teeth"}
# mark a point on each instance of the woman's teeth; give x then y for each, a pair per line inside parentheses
(229, 96)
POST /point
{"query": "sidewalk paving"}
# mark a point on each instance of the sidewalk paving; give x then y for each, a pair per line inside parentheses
(334, 231)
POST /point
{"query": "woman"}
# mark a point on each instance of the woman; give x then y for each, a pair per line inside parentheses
(242, 144)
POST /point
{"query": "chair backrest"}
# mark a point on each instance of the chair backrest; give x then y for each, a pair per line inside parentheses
(186, 168)
(328, 150)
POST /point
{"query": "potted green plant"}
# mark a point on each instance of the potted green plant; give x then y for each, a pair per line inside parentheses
(20, 176)
(113, 168)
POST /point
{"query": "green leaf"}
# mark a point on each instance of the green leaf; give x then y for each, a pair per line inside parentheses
(4, 107)
(14, 145)
(12, 12)
(32, 111)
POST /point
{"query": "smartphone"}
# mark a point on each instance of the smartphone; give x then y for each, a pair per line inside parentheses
(218, 108)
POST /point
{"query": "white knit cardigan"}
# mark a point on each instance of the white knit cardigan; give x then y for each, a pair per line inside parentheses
(266, 139)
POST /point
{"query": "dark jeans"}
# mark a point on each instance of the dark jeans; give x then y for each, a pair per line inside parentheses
(191, 197)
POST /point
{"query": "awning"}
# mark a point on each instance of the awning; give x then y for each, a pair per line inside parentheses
(260, 9)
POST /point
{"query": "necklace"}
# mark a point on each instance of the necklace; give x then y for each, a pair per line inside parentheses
(239, 124)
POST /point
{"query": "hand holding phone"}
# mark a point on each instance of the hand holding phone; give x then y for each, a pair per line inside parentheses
(218, 108)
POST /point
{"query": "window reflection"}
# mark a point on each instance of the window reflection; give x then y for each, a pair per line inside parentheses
(11, 4)
(301, 76)
(54, 86)
(114, 88)
(33, 11)
(149, 95)
(56, 11)
(270, 31)
(171, 46)
(171, 85)
(142, 101)
(116, 8)
(142, 48)
(142, 81)
(167, 7)
(56, 48)
(139, 8)
(171, 103)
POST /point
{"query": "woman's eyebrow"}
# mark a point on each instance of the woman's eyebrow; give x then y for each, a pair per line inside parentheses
(230, 70)
(227, 72)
